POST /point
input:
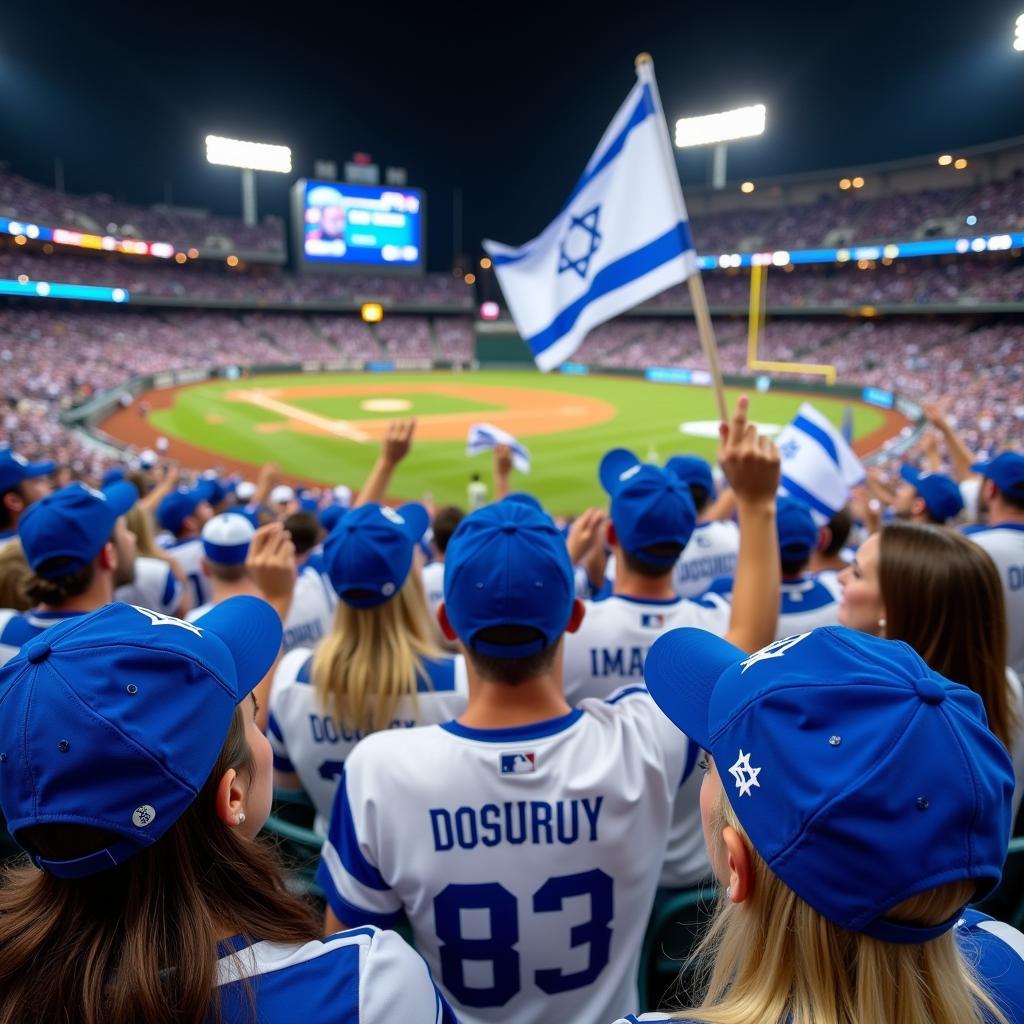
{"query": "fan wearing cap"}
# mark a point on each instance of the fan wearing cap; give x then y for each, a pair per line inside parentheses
(182, 515)
(79, 549)
(133, 774)
(379, 666)
(927, 497)
(807, 600)
(446, 519)
(1002, 498)
(21, 483)
(159, 583)
(854, 803)
(524, 819)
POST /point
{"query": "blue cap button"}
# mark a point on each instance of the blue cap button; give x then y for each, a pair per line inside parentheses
(37, 651)
(931, 691)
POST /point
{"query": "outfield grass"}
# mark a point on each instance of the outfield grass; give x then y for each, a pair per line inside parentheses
(564, 472)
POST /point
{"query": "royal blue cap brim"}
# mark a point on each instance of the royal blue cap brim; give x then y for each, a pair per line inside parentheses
(681, 671)
(524, 499)
(613, 465)
(910, 475)
(251, 631)
(121, 497)
(417, 520)
(34, 469)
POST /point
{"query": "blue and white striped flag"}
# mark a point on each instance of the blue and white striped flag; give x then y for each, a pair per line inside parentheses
(622, 237)
(485, 436)
(818, 466)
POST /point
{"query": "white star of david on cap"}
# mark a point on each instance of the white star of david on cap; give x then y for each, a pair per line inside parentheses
(159, 619)
(776, 649)
(745, 776)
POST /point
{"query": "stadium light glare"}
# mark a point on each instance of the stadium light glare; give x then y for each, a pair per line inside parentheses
(857, 182)
(485, 263)
(845, 183)
(232, 260)
(1018, 35)
(960, 164)
(470, 278)
(372, 312)
(945, 160)
(709, 129)
(747, 187)
(249, 156)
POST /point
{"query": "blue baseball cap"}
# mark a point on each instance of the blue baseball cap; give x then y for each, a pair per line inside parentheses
(368, 554)
(798, 535)
(1006, 471)
(73, 523)
(507, 565)
(210, 489)
(226, 538)
(861, 776)
(692, 470)
(650, 506)
(330, 516)
(115, 719)
(172, 512)
(14, 468)
(112, 475)
(940, 493)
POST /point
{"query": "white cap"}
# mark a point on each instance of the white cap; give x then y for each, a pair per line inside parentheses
(970, 491)
(162, 444)
(148, 459)
(245, 490)
(343, 495)
(281, 495)
(226, 538)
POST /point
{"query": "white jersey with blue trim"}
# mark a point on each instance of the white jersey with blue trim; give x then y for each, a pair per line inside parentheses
(1005, 545)
(525, 858)
(311, 743)
(17, 628)
(433, 585)
(609, 648)
(155, 587)
(313, 603)
(189, 555)
(711, 552)
(807, 603)
(362, 976)
(995, 950)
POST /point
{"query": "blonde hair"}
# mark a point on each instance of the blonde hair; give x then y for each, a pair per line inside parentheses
(373, 657)
(775, 959)
(140, 522)
(14, 577)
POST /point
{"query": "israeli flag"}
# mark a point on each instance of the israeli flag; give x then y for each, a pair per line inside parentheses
(818, 467)
(622, 237)
(485, 436)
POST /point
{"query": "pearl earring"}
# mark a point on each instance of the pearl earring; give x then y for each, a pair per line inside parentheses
(728, 893)
(240, 819)
(881, 623)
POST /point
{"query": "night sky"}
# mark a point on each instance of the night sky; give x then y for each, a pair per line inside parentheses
(505, 101)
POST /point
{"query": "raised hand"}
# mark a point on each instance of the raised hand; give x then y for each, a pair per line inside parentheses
(750, 461)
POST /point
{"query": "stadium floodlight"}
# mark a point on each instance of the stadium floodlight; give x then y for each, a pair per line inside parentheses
(249, 157)
(717, 130)
(1018, 35)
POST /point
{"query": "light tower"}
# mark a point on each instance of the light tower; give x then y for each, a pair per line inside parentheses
(717, 130)
(249, 157)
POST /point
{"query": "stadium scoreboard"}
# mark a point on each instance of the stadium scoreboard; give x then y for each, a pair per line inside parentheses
(338, 226)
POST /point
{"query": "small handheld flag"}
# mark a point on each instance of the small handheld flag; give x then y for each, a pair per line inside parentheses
(622, 237)
(485, 436)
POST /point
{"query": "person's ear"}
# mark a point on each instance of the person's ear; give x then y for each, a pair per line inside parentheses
(613, 537)
(229, 803)
(579, 610)
(741, 865)
(107, 558)
(919, 508)
(204, 567)
(824, 538)
(446, 627)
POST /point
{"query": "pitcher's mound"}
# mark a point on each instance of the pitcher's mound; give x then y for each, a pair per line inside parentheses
(385, 405)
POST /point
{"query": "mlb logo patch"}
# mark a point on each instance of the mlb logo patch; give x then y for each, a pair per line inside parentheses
(652, 620)
(518, 764)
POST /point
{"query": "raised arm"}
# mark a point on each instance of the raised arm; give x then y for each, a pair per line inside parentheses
(502, 470)
(751, 465)
(395, 446)
(960, 458)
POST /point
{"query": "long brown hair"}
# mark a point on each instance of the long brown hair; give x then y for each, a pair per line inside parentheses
(942, 595)
(139, 942)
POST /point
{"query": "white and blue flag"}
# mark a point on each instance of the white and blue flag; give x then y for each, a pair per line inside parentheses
(818, 466)
(622, 237)
(485, 436)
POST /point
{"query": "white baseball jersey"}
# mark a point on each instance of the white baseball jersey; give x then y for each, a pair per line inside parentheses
(994, 949)
(807, 603)
(609, 649)
(362, 976)
(433, 585)
(710, 553)
(17, 628)
(1005, 544)
(189, 555)
(314, 745)
(154, 586)
(525, 858)
(313, 604)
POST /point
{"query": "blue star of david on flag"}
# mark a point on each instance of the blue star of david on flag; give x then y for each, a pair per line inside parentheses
(789, 449)
(580, 242)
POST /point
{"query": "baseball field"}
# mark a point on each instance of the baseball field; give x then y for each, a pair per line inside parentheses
(325, 429)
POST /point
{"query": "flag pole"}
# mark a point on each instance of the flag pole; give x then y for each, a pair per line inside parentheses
(645, 71)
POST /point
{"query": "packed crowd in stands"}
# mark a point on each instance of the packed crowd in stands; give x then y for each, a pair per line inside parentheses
(24, 200)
